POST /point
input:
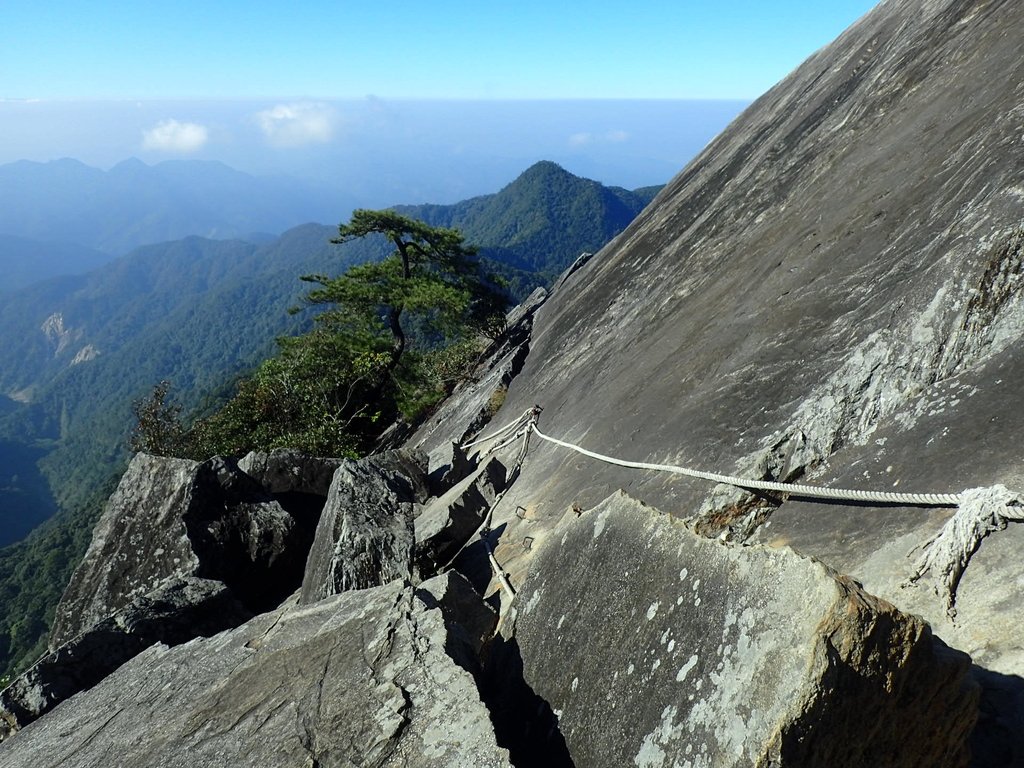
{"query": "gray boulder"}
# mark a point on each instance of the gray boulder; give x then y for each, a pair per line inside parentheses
(286, 470)
(171, 614)
(361, 678)
(658, 647)
(445, 524)
(409, 466)
(172, 519)
(365, 535)
(447, 465)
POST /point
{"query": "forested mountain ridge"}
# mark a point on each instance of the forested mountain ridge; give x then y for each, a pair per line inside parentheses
(25, 261)
(541, 221)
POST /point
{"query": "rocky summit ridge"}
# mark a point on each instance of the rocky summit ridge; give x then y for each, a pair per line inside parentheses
(832, 292)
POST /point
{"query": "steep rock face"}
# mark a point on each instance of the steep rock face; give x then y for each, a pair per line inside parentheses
(472, 404)
(124, 559)
(657, 647)
(361, 678)
(831, 291)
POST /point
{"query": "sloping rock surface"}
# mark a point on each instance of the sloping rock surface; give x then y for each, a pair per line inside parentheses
(365, 535)
(846, 256)
(657, 647)
(173, 613)
(360, 678)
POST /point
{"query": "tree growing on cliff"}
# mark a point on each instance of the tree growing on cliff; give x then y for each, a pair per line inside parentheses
(427, 294)
(158, 429)
(431, 283)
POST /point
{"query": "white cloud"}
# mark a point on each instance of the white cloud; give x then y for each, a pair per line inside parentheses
(292, 125)
(609, 137)
(175, 136)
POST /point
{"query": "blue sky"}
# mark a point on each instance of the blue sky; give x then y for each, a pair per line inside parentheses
(682, 49)
(396, 102)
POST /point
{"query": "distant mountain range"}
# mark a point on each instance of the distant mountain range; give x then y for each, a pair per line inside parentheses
(135, 204)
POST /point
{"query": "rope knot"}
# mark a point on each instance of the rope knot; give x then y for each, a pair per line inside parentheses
(980, 512)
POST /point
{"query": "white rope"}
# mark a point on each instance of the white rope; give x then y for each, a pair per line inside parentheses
(502, 578)
(947, 554)
(507, 428)
(793, 489)
(980, 511)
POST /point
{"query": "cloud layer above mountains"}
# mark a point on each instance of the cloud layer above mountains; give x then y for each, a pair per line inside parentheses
(293, 125)
(174, 136)
(378, 152)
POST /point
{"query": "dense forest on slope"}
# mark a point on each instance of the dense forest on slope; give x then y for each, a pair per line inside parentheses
(195, 311)
(78, 350)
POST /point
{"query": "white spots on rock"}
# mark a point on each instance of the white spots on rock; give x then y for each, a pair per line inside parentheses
(683, 574)
(671, 645)
(685, 669)
(600, 520)
(630, 669)
(679, 600)
(653, 610)
(664, 636)
(532, 602)
(575, 684)
(651, 754)
(561, 621)
(696, 585)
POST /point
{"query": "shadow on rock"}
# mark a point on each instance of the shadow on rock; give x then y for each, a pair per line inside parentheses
(472, 561)
(998, 737)
(524, 722)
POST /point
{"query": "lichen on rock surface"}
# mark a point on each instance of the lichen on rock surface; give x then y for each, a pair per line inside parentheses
(673, 649)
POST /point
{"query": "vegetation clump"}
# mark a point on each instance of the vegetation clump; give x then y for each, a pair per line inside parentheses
(390, 339)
